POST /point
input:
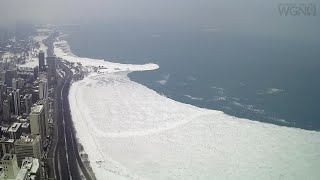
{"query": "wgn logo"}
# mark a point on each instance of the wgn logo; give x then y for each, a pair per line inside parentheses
(293, 9)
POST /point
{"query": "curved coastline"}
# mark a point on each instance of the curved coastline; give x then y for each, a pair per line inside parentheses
(132, 132)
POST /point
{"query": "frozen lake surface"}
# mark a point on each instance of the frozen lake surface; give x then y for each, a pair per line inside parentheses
(131, 132)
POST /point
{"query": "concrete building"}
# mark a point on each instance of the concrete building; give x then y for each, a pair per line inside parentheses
(16, 102)
(51, 61)
(43, 76)
(35, 72)
(10, 166)
(14, 83)
(15, 131)
(30, 168)
(37, 122)
(25, 128)
(7, 145)
(10, 99)
(6, 111)
(1, 66)
(27, 103)
(43, 89)
(3, 76)
(41, 61)
(3, 90)
(10, 74)
(35, 95)
(45, 104)
(21, 83)
(32, 165)
(27, 146)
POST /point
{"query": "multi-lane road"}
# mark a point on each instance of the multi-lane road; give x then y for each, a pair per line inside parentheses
(64, 161)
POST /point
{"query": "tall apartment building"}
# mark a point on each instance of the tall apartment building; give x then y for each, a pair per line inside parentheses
(15, 131)
(10, 166)
(15, 83)
(43, 89)
(45, 104)
(37, 122)
(27, 146)
(30, 168)
(51, 61)
(6, 145)
(41, 61)
(6, 110)
(16, 102)
(9, 75)
(27, 103)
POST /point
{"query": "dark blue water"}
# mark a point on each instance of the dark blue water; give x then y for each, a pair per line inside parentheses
(274, 80)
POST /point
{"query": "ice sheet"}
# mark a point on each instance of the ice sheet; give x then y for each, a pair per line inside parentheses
(132, 132)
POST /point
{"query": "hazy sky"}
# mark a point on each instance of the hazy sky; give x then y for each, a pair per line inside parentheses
(247, 15)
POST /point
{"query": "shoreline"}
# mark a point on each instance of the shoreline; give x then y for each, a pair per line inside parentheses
(98, 158)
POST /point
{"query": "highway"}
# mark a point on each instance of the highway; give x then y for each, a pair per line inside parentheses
(63, 158)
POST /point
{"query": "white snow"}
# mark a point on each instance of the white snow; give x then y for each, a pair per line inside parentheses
(7, 56)
(132, 132)
(33, 61)
(62, 50)
(40, 39)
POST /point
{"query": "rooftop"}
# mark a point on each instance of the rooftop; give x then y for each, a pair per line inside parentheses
(31, 164)
(37, 109)
(26, 140)
(14, 127)
(25, 125)
(22, 174)
(7, 157)
(6, 140)
(28, 96)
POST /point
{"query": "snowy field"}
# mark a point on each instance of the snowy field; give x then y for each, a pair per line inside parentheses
(132, 132)
(33, 61)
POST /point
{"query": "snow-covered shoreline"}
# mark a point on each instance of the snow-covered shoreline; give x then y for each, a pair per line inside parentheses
(131, 132)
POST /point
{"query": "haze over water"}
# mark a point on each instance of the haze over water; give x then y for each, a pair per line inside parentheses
(248, 71)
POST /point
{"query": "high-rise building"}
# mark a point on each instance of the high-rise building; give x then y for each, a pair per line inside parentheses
(1, 66)
(10, 74)
(3, 76)
(15, 83)
(21, 83)
(15, 131)
(2, 71)
(16, 102)
(43, 76)
(27, 103)
(3, 90)
(6, 145)
(37, 122)
(10, 166)
(6, 110)
(27, 146)
(41, 61)
(51, 61)
(35, 95)
(43, 89)
(35, 72)
(33, 167)
(30, 168)
(45, 104)
(11, 101)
